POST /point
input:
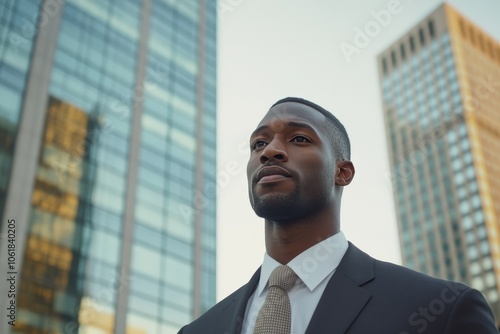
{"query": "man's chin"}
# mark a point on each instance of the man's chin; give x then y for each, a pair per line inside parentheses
(276, 207)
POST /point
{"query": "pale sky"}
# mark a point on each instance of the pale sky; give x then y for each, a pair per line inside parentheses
(268, 50)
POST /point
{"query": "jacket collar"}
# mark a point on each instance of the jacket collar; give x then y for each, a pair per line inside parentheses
(344, 297)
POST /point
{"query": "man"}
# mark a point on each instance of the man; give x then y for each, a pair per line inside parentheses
(298, 166)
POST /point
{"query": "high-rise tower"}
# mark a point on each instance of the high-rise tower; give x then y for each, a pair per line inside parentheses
(107, 164)
(440, 87)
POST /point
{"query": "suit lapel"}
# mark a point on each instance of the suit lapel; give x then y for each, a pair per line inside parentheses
(232, 316)
(344, 297)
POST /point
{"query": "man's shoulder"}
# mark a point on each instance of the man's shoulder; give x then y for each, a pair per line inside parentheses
(400, 275)
(416, 301)
(400, 278)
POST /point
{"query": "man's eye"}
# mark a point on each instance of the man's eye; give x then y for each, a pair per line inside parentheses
(258, 144)
(300, 139)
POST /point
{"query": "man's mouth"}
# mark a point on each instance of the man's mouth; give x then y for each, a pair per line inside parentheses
(272, 174)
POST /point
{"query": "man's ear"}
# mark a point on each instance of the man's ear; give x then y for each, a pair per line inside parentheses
(344, 173)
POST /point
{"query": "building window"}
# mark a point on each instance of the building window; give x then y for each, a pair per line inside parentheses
(471, 34)
(431, 29)
(462, 28)
(412, 44)
(490, 279)
(481, 43)
(384, 65)
(490, 49)
(477, 283)
(475, 268)
(492, 296)
(487, 263)
(422, 36)
(403, 52)
(393, 58)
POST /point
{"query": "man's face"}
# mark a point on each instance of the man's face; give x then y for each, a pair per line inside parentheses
(291, 171)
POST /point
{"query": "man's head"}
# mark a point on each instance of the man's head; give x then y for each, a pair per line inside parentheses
(299, 161)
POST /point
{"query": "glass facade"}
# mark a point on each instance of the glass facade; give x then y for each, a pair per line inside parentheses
(71, 253)
(17, 31)
(432, 104)
(72, 272)
(424, 130)
(165, 219)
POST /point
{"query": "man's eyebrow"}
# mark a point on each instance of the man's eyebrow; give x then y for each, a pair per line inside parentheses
(301, 125)
(290, 124)
(259, 129)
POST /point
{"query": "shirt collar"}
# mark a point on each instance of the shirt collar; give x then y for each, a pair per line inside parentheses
(312, 265)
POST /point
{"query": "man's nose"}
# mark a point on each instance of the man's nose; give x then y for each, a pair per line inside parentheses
(273, 151)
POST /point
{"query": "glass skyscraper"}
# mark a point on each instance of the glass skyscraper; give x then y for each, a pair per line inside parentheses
(108, 163)
(441, 103)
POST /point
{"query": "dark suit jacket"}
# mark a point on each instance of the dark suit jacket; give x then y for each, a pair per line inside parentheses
(367, 296)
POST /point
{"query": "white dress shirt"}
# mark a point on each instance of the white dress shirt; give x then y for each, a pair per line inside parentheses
(314, 267)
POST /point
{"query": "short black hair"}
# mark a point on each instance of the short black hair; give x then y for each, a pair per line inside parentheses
(338, 135)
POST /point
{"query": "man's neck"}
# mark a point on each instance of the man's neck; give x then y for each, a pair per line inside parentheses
(284, 241)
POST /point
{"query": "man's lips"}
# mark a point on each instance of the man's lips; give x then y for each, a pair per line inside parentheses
(272, 173)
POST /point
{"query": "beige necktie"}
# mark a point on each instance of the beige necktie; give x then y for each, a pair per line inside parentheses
(275, 316)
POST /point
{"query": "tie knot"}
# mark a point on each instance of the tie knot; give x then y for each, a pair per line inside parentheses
(283, 277)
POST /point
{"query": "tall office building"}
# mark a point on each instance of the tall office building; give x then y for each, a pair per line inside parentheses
(441, 98)
(107, 164)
